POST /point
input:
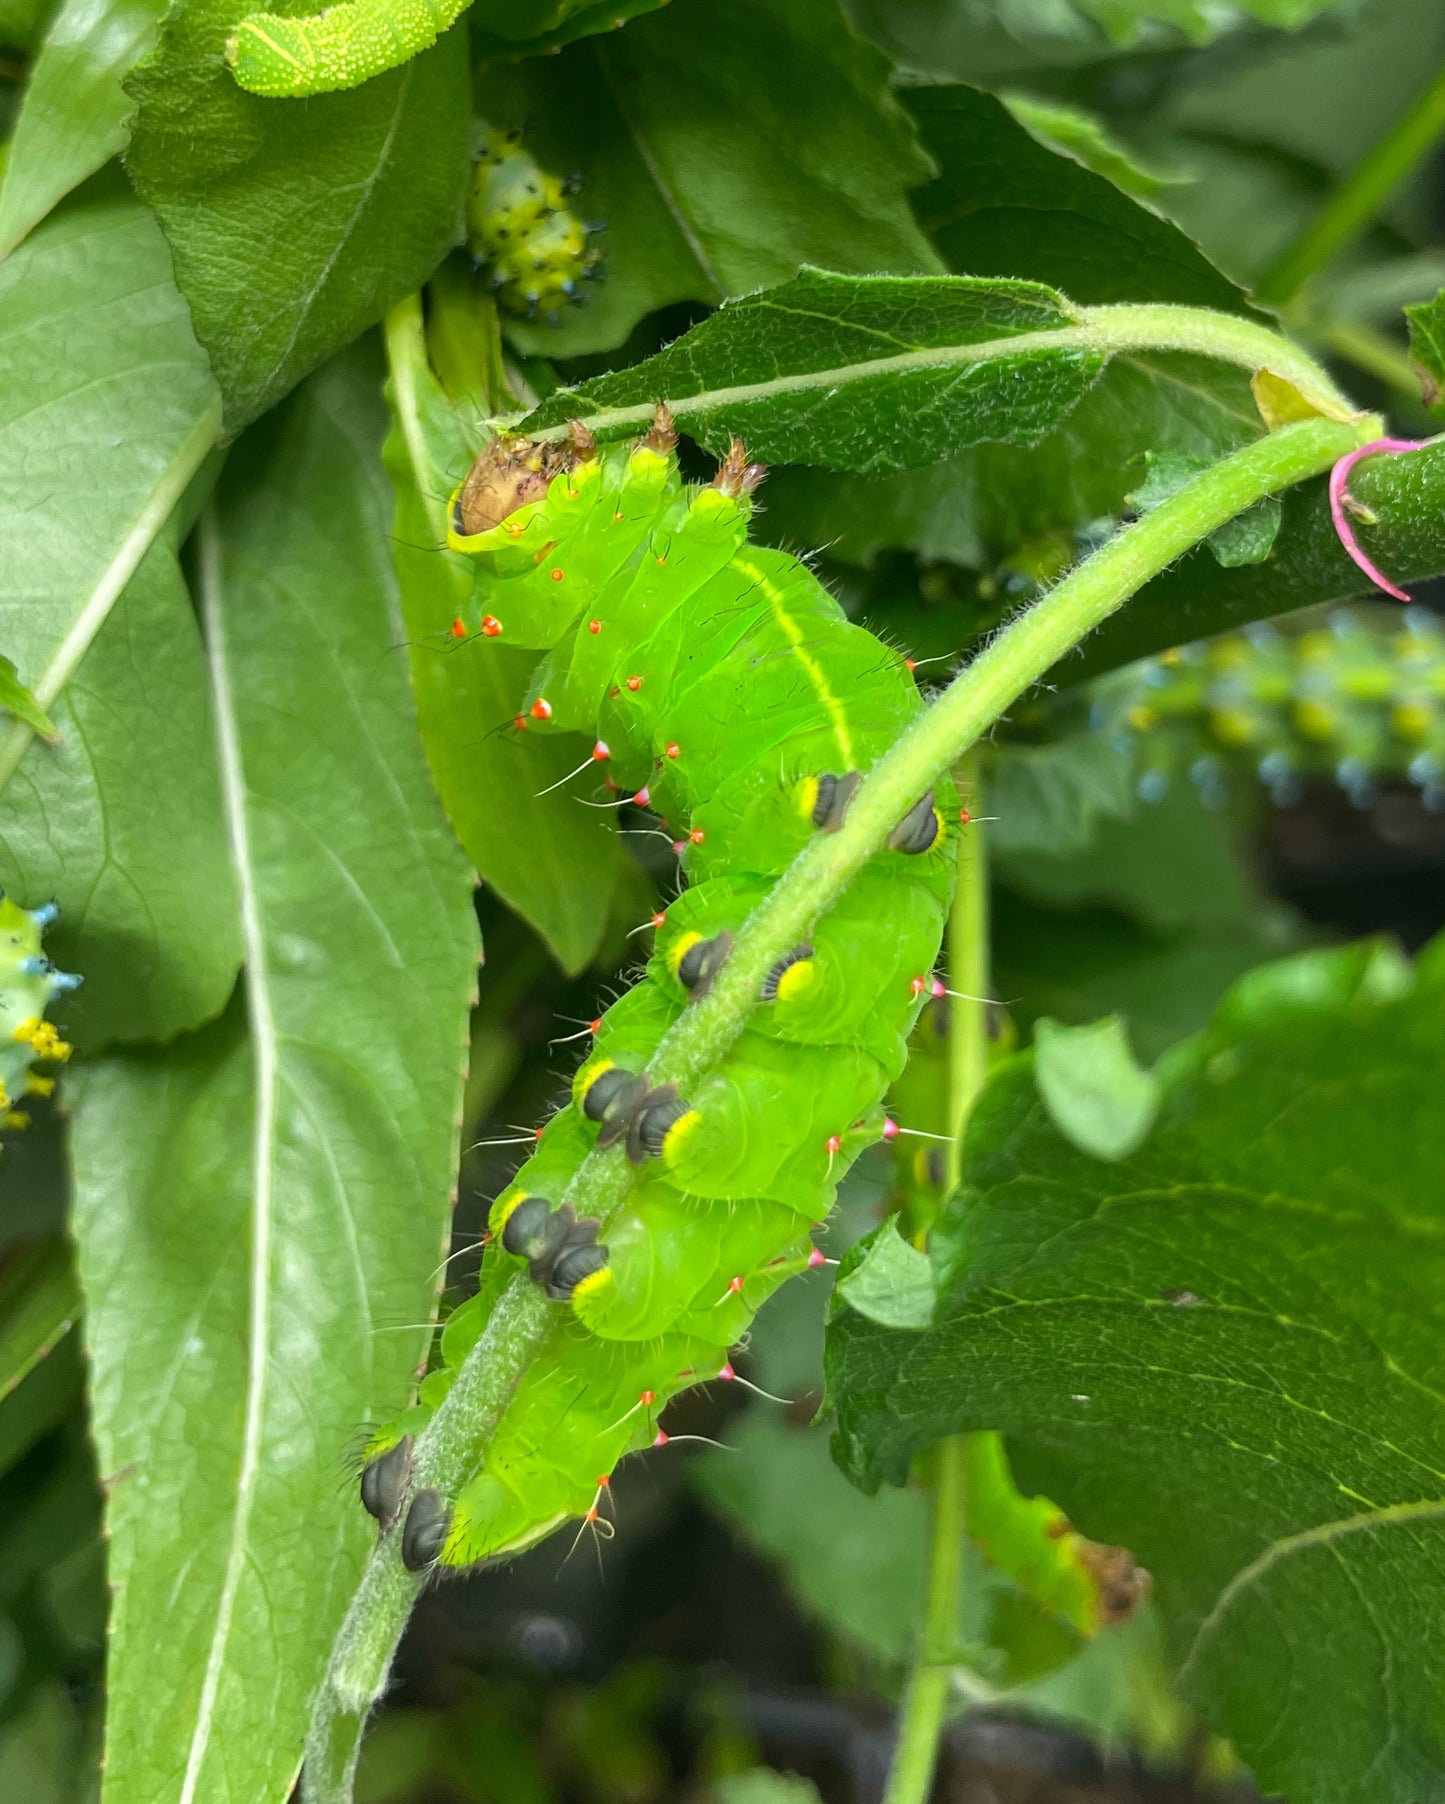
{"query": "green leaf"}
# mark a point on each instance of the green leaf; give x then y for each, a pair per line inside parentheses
(259, 1209)
(1223, 1352)
(1004, 204)
(75, 115)
(761, 1785)
(121, 824)
(554, 862)
(98, 353)
(39, 1301)
(721, 148)
(294, 226)
(507, 30)
(1096, 1095)
(891, 1282)
(1072, 132)
(855, 373)
(17, 700)
(1427, 347)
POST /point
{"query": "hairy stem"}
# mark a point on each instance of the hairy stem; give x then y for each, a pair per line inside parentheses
(925, 1701)
(1356, 201)
(449, 1451)
(1110, 331)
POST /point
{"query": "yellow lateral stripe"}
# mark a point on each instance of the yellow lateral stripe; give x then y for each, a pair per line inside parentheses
(834, 707)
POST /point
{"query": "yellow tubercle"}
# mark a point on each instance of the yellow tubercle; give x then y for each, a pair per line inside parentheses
(43, 1040)
(807, 797)
(679, 949)
(1412, 720)
(14, 1119)
(675, 1139)
(35, 1085)
(503, 1207)
(798, 978)
(592, 1284)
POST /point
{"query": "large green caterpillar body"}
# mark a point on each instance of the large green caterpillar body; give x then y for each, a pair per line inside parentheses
(29, 983)
(339, 47)
(1360, 700)
(520, 226)
(730, 695)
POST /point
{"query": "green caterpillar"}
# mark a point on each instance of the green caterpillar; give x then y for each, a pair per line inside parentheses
(339, 47)
(1360, 699)
(519, 224)
(29, 983)
(730, 696)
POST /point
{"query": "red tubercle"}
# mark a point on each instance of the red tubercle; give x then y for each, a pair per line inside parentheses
(890, 1128)
(937, 987)
(735, 1284)
(556, 576)
(537, 1133)
(917, 985)
(594, 626)
(660, 1439)
(646, 1399)
(911, 663)
(726, 1372)
(816, 1258)
(612, 788)
(634, 683)
(679, 846)
(604, 1482)
(541, 709)
(835, 1144)
(964, 816)
(595, 1027)
(459, 628)
(491, 626)
(659, 919)
(519, 721)
(643, 796)
(600, 752)
(672, 748)
(696, 836)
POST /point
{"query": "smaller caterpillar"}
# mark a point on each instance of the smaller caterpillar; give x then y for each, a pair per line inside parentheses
(1358, 700)
(339, 47)
(520, 226)
(29, 983)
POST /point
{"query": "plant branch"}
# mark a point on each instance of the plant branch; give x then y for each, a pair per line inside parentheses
(449, 1451)
(1110, 331)
(1356, 201)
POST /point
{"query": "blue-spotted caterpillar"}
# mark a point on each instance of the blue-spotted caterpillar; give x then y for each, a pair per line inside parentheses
(1360, 700)
(29, 983)
(729, 695)
(520, 226)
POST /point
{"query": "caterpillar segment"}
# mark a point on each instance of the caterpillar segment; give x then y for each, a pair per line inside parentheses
(539, 253)
(733, 696)
(1360, 700)
(29, 984)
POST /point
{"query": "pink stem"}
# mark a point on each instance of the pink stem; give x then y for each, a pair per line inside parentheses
(1340, 497)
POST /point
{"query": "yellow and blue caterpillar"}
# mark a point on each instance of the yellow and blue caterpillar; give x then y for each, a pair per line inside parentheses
(29, 983)
(1360, 699)
(728, 694)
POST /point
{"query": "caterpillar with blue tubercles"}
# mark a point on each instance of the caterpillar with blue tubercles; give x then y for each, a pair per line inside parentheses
(29, 983)
(1360, 700)
(729, 695)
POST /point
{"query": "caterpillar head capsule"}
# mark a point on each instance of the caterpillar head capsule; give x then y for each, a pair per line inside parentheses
(509, 473)
(383, 1482)
(427, 1524)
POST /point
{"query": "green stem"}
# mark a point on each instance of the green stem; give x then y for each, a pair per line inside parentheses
(449, 1451)
(1357, 200)
(1109, 331)
(925, 1701)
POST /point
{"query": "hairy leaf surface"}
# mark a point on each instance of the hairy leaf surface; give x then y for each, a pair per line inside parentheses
(294, 226)
(1224, 1352)
(259, 1210)
(856, 372)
